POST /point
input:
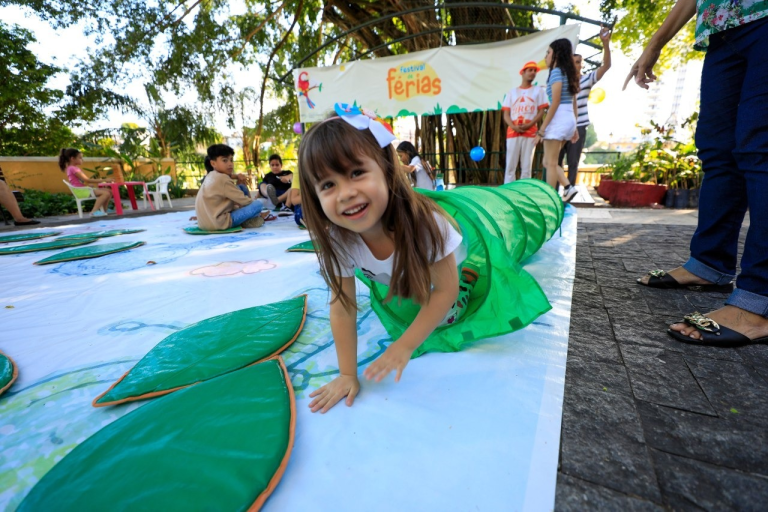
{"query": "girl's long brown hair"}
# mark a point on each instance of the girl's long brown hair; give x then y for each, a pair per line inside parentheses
(65, 155)
(562, 57)
(334, 146)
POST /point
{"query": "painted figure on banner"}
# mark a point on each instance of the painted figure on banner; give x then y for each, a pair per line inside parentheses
(523, 108)
(304, 86)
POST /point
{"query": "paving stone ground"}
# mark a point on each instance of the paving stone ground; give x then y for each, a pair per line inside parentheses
(650, 423)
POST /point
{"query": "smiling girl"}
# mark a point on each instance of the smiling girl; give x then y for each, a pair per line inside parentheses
(363, 214)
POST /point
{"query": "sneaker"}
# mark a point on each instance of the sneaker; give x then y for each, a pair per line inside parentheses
(254, 222)
(98, 213)
(272, 195)
(284, 213)
(286, 209)
(569, 193)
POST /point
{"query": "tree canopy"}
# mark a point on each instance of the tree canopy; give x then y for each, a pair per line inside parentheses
(639, 20)
(191, 49)
(29, 110)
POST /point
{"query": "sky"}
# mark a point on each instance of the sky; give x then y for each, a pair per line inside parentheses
(614, 119)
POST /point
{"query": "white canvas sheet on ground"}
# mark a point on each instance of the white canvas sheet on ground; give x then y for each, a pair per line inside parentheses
(475, 430)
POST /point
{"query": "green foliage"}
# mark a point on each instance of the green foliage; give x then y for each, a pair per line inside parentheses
(662, 159)
(600, 157)
(43, 204)
(591, 136)
(26, 127)
(639, 20)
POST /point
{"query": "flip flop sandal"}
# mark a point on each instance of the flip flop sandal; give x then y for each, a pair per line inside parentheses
(270, 217)
(713, 334)
(660, 279)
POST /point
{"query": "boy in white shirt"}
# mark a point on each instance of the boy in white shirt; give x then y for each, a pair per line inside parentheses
(523, 108)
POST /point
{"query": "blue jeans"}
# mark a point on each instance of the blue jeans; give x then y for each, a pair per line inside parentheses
(246, 212)
(732, 138)
(244, 189)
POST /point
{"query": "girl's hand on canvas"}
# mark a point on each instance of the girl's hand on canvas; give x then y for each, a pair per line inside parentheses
(395, 358)
(330, 394)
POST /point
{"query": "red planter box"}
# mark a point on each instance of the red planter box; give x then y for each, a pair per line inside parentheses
(625, 193)
(606, 188)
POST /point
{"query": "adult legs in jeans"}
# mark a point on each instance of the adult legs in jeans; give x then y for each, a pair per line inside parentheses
(573, 151)
(732, 137)
(246, 212)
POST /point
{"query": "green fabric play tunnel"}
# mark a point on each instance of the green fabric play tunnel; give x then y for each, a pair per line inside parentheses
(502, 227)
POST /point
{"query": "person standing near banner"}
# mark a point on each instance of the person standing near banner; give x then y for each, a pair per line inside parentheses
(523, 108)
(588, 80)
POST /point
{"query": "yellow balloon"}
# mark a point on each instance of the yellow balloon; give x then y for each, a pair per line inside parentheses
(542, 64)
(596, 95)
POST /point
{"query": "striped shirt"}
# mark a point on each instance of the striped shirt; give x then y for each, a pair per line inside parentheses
(557, 75)
(585, 86)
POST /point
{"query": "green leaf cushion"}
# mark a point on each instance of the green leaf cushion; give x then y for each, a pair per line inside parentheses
(222, 444)
(84, 253)
(45, 246)
(307, 246)
(27, 236)
(8, 372)
(210, 348)
(197, 231)
(102, 234)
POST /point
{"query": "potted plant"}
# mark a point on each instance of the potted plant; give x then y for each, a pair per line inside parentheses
(630, 184)
(683, 172)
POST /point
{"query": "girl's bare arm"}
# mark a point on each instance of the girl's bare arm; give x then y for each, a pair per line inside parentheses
(445, 290)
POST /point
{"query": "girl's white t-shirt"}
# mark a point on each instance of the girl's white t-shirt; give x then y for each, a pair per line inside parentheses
(360, 256)
(422, 178)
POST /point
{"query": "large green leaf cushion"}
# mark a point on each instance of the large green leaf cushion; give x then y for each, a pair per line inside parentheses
(84, 253)
(307, 246)
(197, 231)
(220, 445)
(9, 372)
(102, 234)
(27, 236)
(45, 246)
(210, 348)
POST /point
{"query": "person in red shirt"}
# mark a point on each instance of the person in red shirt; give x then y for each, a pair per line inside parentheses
(523, 108)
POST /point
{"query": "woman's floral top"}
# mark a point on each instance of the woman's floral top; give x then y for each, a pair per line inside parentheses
(714, 16)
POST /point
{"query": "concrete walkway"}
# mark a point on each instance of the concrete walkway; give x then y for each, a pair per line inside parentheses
(650, 423)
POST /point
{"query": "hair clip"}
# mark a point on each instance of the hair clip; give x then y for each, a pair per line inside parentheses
(362, 118)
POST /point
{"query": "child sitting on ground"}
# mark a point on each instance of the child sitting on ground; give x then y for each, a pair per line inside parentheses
(277, 183)
(220, 204)
(294, 201)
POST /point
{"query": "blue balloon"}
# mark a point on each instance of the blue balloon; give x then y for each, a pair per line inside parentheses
(477, 153)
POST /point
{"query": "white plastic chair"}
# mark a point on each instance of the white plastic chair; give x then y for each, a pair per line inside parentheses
(161, 187)
(81, 194)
